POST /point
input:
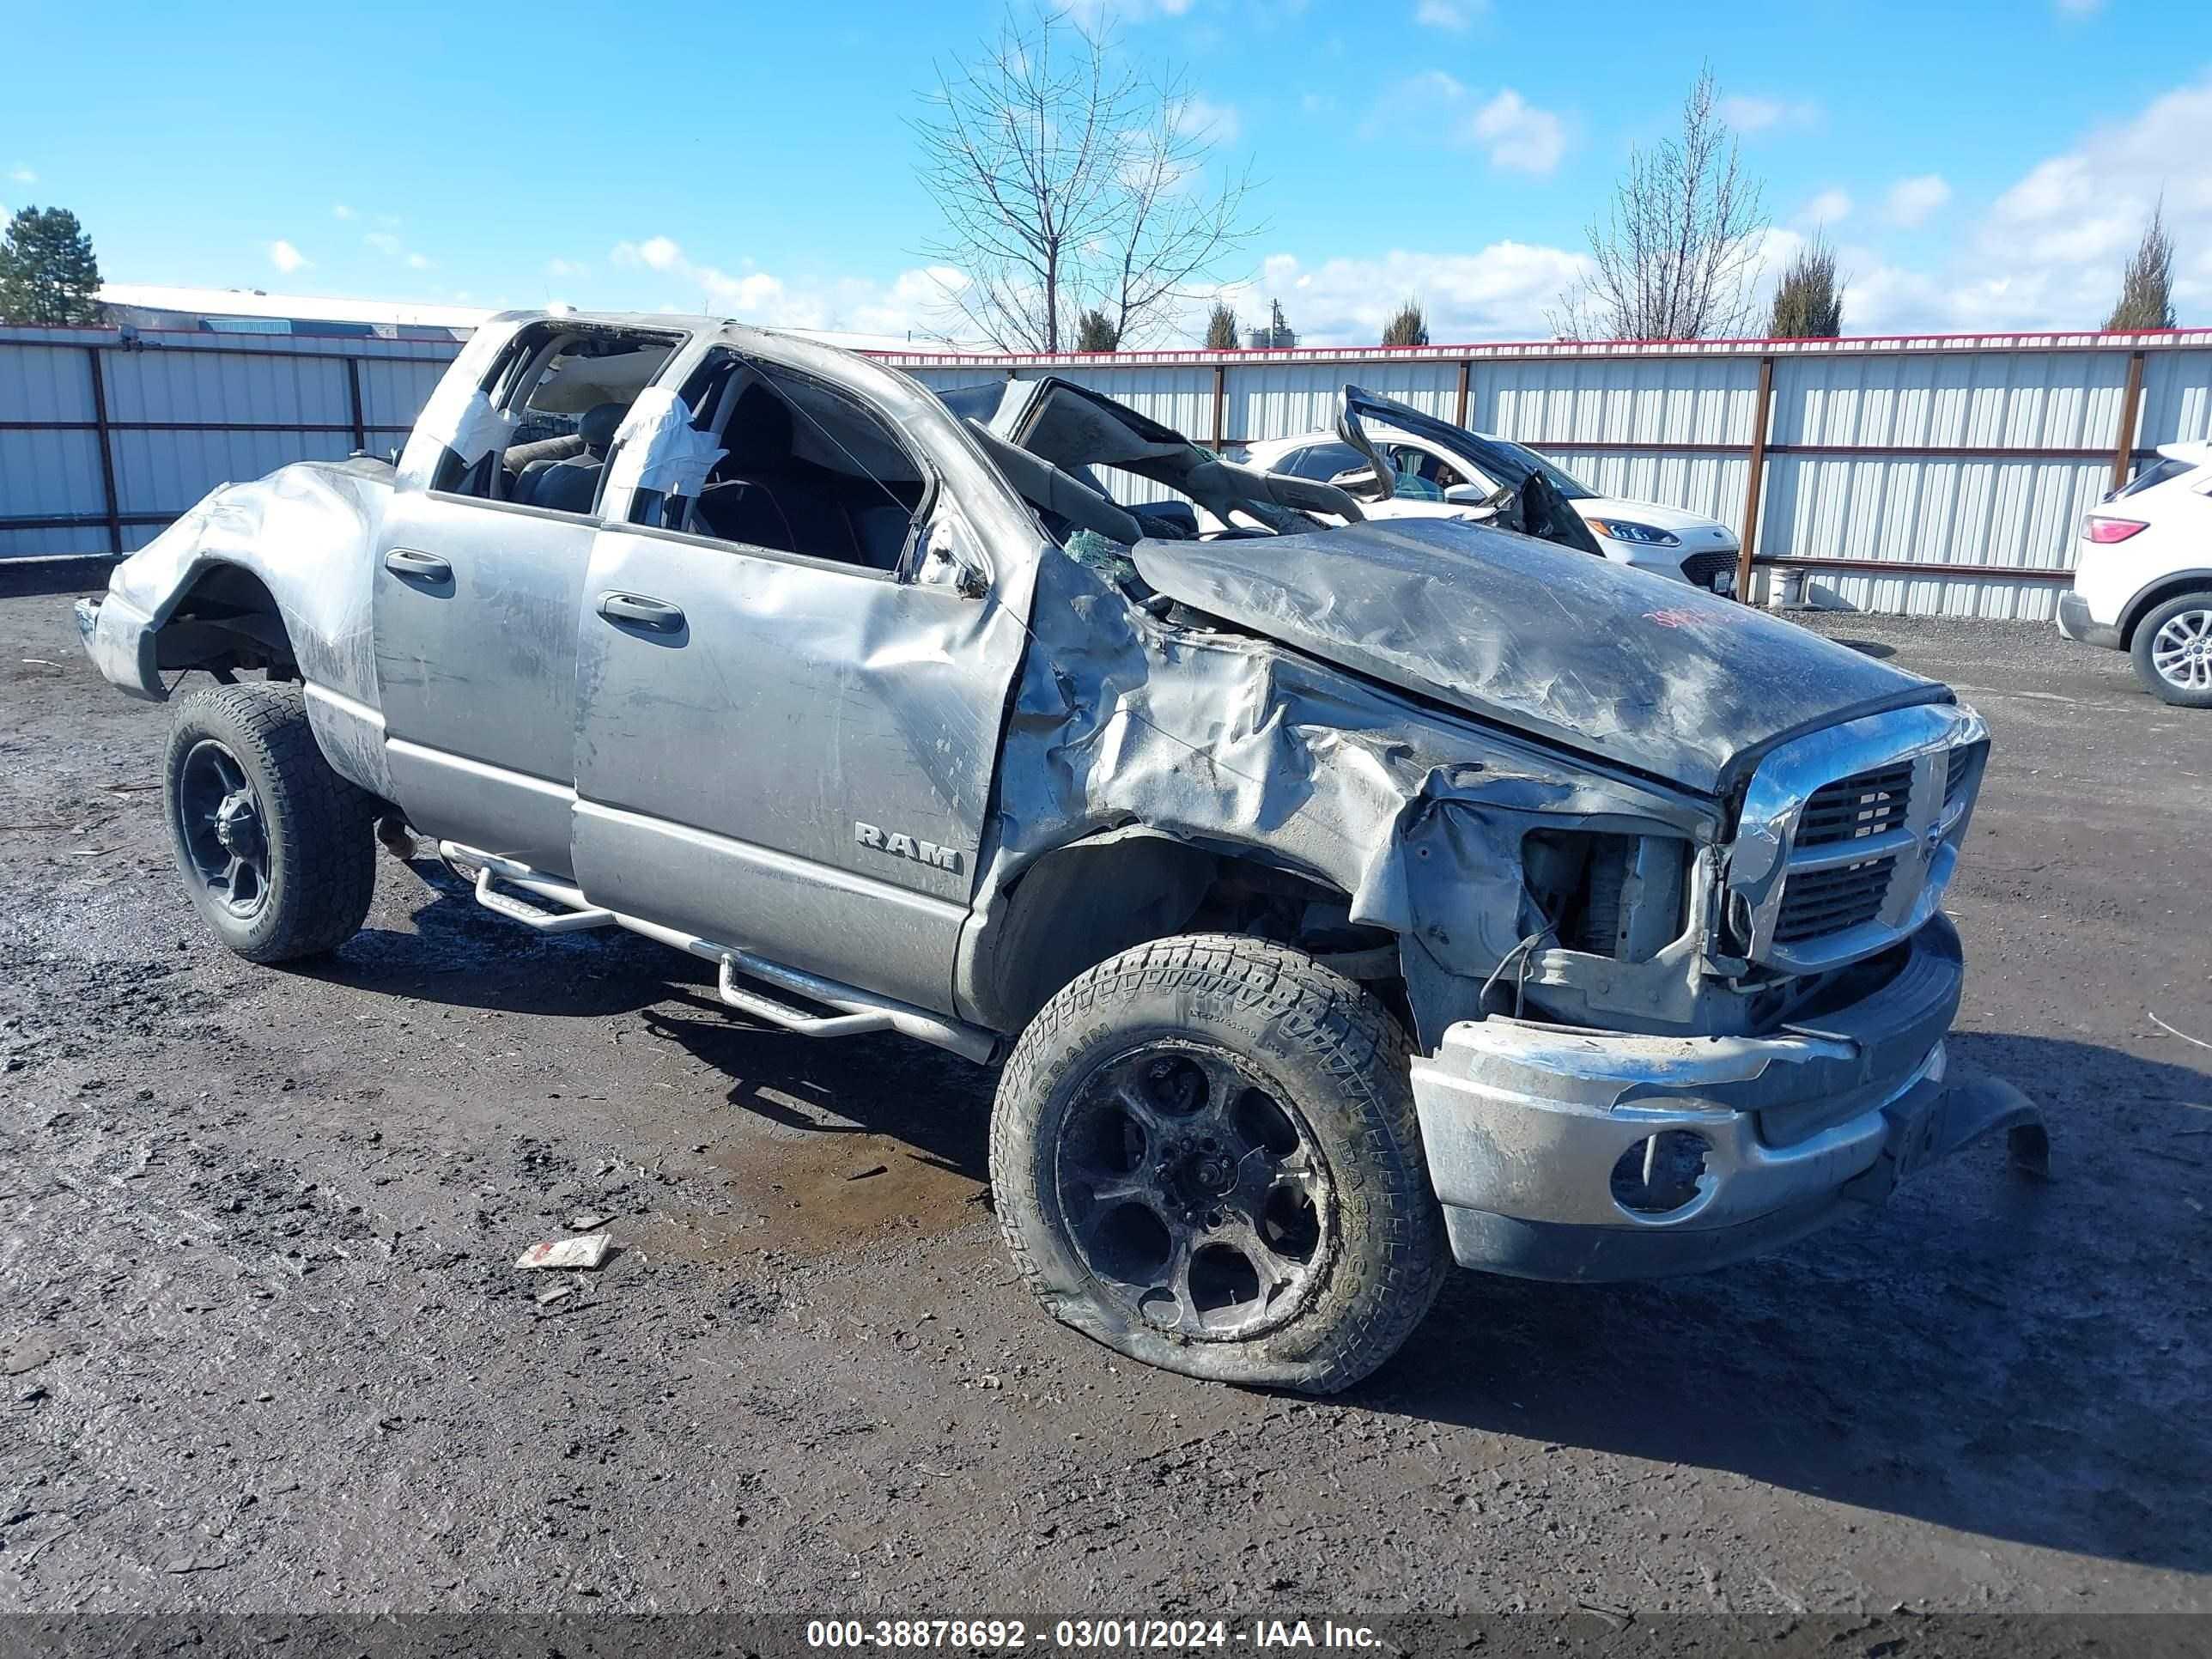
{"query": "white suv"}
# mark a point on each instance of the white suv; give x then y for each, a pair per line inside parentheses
(2143, 582)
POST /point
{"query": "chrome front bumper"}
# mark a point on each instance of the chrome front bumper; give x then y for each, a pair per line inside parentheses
(1526, 1125)
(121, 641)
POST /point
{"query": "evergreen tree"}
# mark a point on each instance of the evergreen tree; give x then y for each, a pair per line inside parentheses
(1808, 302)
(1408, 328)
(1095, 331)
(2147, 283)
(47, 272)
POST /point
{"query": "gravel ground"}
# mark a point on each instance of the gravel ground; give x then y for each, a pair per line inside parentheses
(265, 1349)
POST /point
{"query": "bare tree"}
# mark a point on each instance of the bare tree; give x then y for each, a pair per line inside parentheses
(1408, 327)
(1221, 327)
(2146, 283)
(1070, 182)
(1677, 256)
(1808, 302)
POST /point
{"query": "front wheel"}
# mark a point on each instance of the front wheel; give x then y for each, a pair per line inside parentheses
(272, 843)
(1204, 1154)
(2173, 651)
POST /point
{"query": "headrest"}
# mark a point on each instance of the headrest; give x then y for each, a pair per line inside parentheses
(758, 432)
(597, 424)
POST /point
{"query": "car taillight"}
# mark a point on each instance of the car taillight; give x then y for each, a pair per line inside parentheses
(2109, 529)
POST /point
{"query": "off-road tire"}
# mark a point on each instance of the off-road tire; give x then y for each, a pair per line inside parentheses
(321, 859)
(2146, 637)
(1335, 1054)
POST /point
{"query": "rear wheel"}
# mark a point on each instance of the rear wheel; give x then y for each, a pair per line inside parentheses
(272, 843)
(1205, 1156)
(2173, 651)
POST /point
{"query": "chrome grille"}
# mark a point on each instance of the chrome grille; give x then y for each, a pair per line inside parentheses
(1958, 770)
(1848, 836)
(1818, 902)
(1853, 808)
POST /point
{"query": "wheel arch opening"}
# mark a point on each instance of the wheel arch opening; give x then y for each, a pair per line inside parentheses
(228, 620)
(1080, 904)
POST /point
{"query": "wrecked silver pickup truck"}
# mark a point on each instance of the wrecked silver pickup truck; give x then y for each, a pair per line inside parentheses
(1341, 896)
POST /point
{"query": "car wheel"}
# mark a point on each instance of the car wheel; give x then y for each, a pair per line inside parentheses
(1204, 1154)
(2174, 651)
(273, 844)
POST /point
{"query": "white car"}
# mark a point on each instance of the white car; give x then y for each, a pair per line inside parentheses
(2143, 580)
(1439, 467)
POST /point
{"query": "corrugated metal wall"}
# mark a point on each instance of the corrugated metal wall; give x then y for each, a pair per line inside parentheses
(1965, 453)
(169, 416)
(1977, 456)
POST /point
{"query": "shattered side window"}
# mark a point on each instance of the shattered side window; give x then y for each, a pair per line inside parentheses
(538, 432)
(773, 460)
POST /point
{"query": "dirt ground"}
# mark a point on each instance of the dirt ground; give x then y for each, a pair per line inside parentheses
(266, 1350)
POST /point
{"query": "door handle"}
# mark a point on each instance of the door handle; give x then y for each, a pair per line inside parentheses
(635, 608)
(419, 566)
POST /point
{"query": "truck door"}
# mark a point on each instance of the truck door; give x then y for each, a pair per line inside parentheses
(785, 735)
(480, 572)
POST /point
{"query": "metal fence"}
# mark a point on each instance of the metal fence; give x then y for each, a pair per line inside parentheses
(1920, 474)
(1914, 474)
(106, 435)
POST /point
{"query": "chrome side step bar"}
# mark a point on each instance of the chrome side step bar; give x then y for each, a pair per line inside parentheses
(858, 1012)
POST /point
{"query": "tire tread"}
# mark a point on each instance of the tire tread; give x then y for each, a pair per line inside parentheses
(1357, 1041)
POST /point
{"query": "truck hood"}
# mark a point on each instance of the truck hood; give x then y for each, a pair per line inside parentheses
(1621, 664)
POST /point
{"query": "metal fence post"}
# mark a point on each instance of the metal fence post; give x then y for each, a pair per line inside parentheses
(1220, 407)
(1466, 373)
(1752, 504)
(114, 508)
(353, 392)
(2125, 453)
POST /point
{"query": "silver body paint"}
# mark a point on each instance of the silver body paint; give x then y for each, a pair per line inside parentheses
(866, 776)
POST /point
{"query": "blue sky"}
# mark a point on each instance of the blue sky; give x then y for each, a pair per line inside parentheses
(1981, 165)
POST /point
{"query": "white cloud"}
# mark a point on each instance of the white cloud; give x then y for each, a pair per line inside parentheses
(1519, 137)
(416, 262)
(286, 258)
(2048, 253)
(1455, 15)
(340, 210)
(1747, 113)
(1500, 292)
(1514, 134)
(912, 303)
(1202, 117)
(564, 268)
(22, 175)
(1097, 14)
(384, 242)
(1830, 207)
(1910, 201)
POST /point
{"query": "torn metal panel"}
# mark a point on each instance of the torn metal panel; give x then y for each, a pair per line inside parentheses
(1612, 661)
(1235, 745)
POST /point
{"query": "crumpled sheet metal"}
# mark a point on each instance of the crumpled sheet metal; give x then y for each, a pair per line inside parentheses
(307, 532)
(657, 447)
(1613, 661)
(1226, 742)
